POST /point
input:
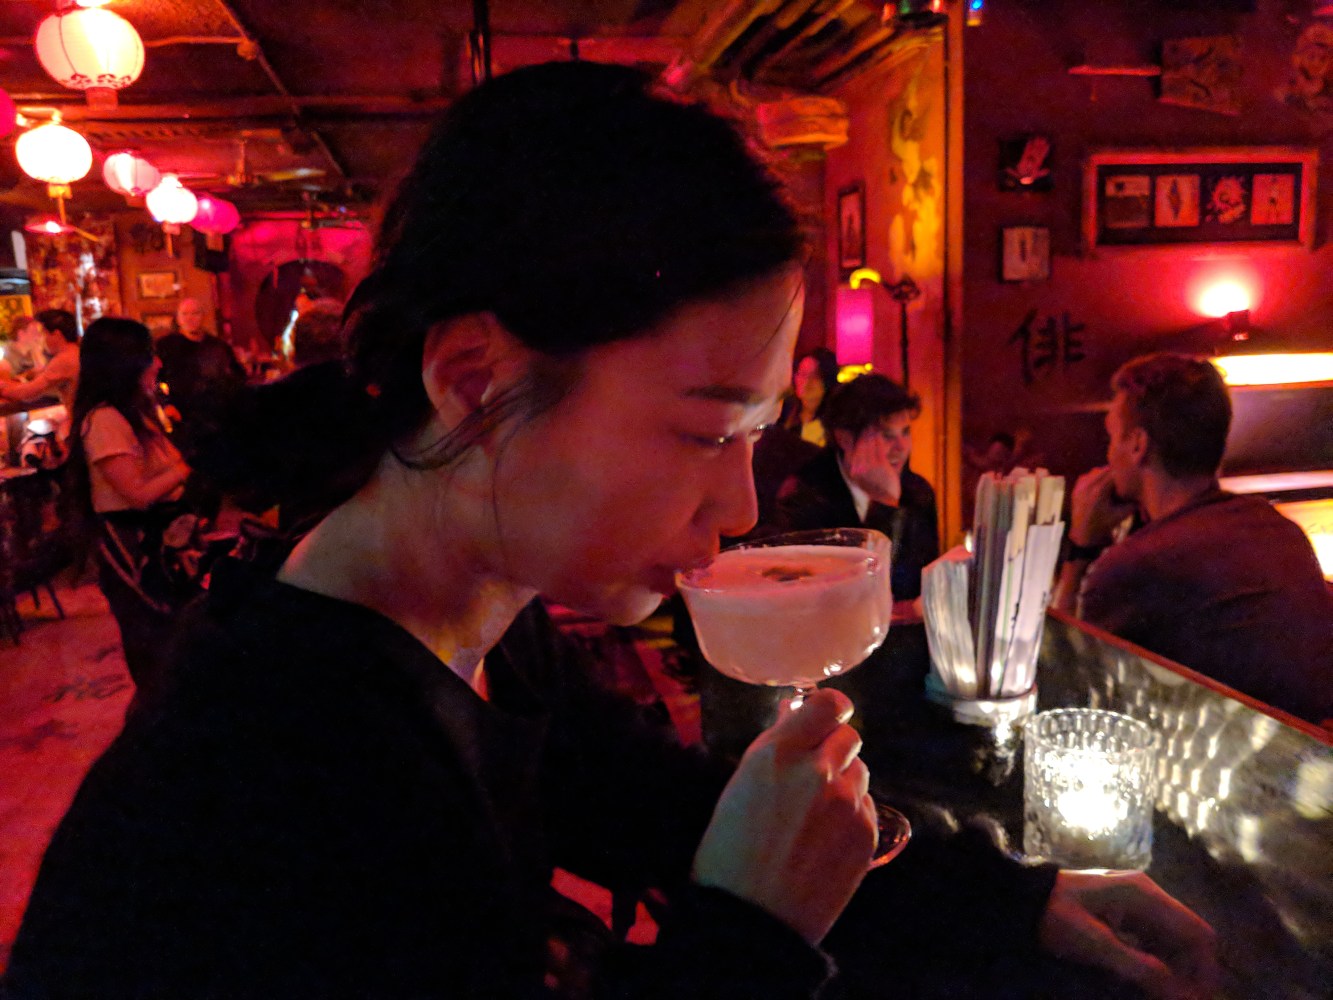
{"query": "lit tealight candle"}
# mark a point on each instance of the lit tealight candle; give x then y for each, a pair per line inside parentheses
(1088, 789)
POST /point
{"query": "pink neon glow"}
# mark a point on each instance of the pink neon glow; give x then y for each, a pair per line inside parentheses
(855, 326)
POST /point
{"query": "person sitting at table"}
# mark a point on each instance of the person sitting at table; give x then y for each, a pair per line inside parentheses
(373, 752)
(124, 474)
(814, 377)
(57, 378)
(1221, 583)
(24, 351)
(862, 479)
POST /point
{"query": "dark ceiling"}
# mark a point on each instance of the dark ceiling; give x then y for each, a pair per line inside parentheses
(328, 99)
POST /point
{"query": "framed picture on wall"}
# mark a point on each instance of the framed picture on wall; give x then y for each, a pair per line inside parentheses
(851, 227)
(1236, 196)
(1025, 253)
(157, 284)
(159, 324)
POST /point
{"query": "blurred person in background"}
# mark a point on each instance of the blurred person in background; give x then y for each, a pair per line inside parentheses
(862, 478)
(125, 476)
(814, 377)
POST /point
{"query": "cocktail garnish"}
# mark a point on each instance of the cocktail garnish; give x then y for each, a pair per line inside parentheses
(785, 574)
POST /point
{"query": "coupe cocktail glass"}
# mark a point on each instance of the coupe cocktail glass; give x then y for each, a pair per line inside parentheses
(795, 609)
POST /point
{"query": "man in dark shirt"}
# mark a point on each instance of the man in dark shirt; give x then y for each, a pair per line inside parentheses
(1223, 584)
(200, 371)
(861, 478)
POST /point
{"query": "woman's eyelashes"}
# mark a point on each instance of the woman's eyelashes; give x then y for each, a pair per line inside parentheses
(721, 441)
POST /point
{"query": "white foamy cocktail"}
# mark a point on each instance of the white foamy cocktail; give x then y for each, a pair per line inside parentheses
(792, 614)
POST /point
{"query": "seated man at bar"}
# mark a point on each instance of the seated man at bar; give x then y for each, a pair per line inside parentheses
(59, 376)
(1221, 583)
(375, 748)
(862, 479)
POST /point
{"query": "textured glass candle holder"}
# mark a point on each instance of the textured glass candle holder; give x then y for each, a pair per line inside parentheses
(1088, 789)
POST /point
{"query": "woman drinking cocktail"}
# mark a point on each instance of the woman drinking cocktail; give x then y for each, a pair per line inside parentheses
(582, 310)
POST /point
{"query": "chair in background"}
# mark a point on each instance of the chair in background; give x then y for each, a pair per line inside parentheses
(34, 545)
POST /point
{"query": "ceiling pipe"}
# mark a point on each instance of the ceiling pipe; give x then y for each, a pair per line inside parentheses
(280, 86)
(718, 33)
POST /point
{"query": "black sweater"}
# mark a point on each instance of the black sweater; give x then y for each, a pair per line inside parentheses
(320, 808)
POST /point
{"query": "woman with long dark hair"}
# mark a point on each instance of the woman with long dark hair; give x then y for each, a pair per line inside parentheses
(814, 377)
(582, 310)
(124, 474)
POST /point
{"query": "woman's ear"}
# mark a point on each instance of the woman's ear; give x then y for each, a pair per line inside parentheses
(466, 361)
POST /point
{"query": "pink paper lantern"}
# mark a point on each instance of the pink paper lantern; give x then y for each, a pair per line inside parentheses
(9, 114)
(215, 215)
(856, 326)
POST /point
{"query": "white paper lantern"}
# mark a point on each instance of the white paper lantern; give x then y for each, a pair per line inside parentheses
(130, 175)
(54, 153)
(171, 202)
(92, 50)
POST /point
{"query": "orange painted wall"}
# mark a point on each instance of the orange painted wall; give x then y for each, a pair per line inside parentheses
(896, 149)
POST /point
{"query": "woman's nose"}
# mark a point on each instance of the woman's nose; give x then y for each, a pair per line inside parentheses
(734, 504)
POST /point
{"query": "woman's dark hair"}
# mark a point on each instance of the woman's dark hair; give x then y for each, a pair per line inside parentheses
(826, 367)
(113, 356)
(579, 206)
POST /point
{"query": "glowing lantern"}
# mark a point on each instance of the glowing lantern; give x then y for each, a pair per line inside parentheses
(46, 225)
(172, 204)
(215, 215)
(130, 175)
(855, 326)
(54, 153)
(8, 114)
(92, 50)
(1224, 297)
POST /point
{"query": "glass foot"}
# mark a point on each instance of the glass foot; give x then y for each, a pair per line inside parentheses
(894, 833)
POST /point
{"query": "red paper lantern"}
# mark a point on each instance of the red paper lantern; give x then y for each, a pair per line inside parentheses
(215, 215)
(92, 50)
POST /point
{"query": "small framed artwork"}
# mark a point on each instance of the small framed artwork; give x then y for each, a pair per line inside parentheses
(851, 227)
(159, 324)
(1025, 253)
(1247, 195)
(1025, 164)
(157, 284)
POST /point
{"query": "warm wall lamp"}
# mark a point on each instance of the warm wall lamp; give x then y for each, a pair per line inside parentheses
(856, 317)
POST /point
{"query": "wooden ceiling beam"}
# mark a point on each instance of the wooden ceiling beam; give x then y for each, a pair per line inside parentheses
(258, 106)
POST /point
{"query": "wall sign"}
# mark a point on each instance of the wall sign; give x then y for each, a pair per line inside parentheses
(1245, 195)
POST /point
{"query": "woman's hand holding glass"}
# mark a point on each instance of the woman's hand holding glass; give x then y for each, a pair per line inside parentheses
(795, 828)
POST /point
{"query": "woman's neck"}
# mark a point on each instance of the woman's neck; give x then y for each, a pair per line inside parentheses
(398, 549)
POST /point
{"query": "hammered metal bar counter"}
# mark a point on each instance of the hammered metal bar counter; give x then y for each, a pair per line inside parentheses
(1243, 830)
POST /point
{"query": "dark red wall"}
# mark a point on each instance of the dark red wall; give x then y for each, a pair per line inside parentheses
(1127, 303)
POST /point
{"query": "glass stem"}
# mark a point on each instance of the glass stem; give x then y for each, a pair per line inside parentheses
(800, 693)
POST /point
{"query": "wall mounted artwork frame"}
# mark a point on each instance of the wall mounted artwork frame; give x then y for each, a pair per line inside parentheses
(851, 227)
(157, 284)
(1025, 253)
(1137, 199)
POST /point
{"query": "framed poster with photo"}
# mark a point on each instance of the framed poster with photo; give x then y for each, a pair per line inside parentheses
(1255, 195)
(157, 284)
(851, 227)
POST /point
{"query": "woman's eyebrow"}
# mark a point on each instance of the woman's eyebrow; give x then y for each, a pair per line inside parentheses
(740, 395)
